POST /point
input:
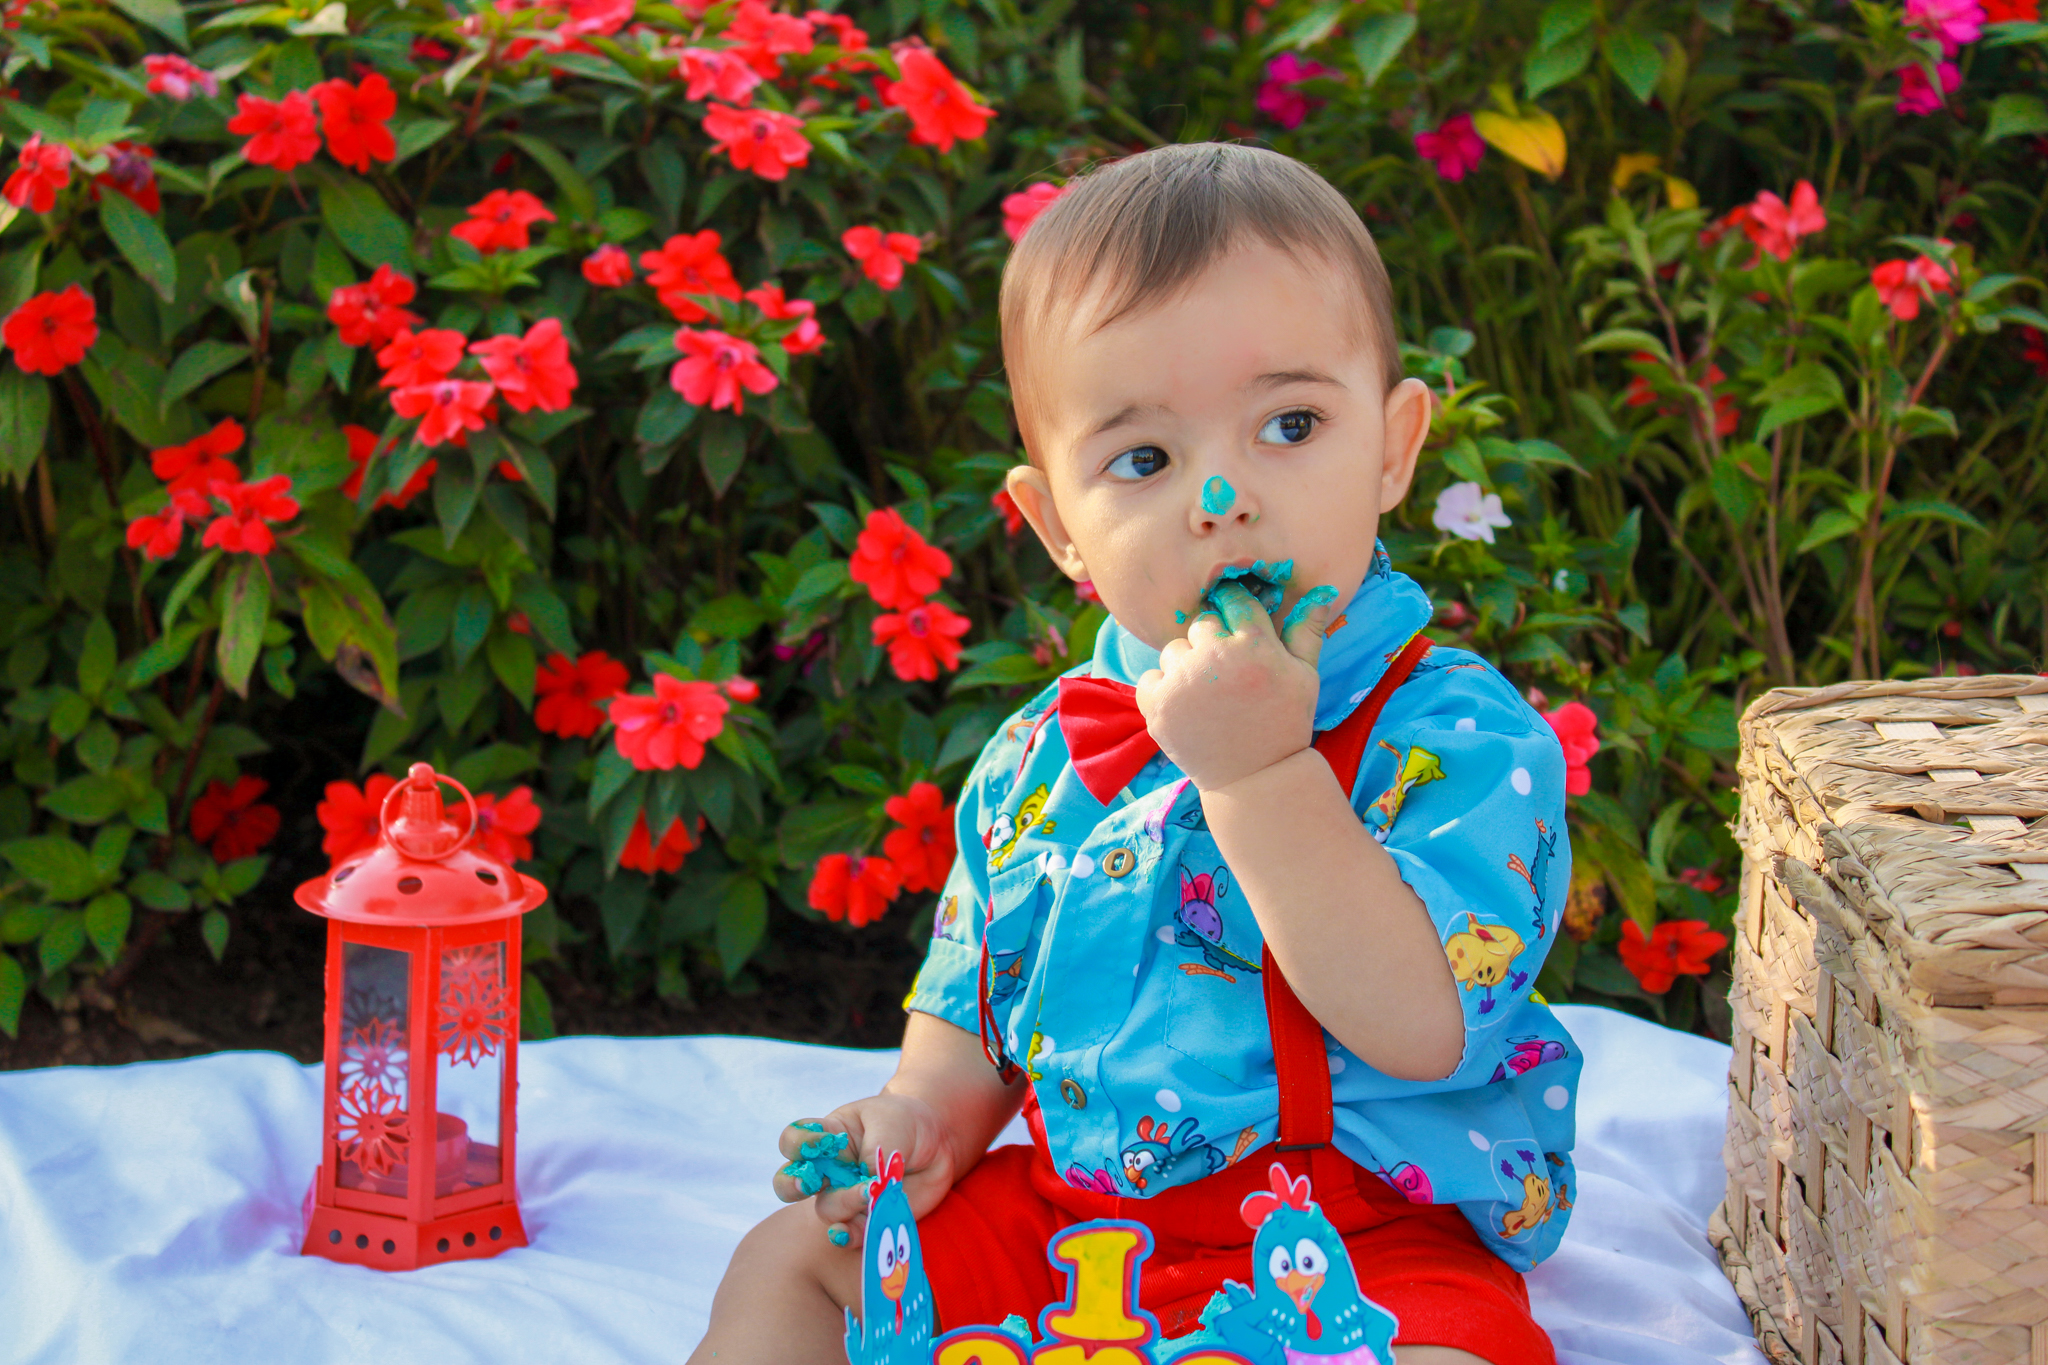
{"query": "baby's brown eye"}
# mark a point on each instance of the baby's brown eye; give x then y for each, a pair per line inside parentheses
(1289, 428)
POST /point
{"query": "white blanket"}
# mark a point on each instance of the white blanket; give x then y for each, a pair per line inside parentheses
(150, 1213)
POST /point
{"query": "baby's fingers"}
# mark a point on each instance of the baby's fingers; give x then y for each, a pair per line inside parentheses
(822, 1156)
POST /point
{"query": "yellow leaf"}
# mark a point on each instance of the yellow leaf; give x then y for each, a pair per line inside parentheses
(1532, 138)
(1680, 194)
(1629, 165)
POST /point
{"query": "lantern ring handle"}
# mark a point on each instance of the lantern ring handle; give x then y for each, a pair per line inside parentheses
(384, 819)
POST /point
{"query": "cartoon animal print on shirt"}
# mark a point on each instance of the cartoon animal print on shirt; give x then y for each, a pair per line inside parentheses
(1537, 871)
(1411, 1180)
(1527, 1054)
(1539, 1200)
(1005, 975)
(1483, 955)
(1159, 1153)
(1003, 833)
(946, 915)
(1413, 768)
(1199, 924)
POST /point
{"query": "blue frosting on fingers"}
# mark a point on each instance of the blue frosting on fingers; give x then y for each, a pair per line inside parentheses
(1320, 595)
(823, 1163)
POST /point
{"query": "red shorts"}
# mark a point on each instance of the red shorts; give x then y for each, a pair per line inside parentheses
(984, 1251)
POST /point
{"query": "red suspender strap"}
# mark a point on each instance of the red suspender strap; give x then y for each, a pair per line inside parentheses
(1306, 1119)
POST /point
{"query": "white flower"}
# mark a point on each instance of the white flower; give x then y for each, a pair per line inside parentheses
(1469, 514)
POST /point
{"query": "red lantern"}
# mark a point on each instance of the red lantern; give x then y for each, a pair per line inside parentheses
(422, 1037)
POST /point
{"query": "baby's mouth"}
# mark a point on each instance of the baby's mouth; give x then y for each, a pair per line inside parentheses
(1266, 582)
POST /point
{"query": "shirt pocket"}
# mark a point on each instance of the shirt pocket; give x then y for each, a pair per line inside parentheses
(1016, 896)
(1212, 951)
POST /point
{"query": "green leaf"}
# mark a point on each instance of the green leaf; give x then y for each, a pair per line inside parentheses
(87, 800)
(1003, 672)
(575, 189)
(142, 241)
(817, 583)
(106, 923)
(1791, 410)
(364, 223)
(62, 942)
(1067, 72)
(620, 908)
(239, 877)
(1832, 524)
(492, 764)
(1378, 42)
(24, 422)
(511, 656)
(2013, 114)
(1626, 339)
(742, 920)
(160, 892)
(213, 927)
(60, 866)
(416, 135)
(195, 365)
(614, 770)
(536, 1011)
(1636, 59)
(165, 16)
(96, 658)
(1624, 867)
(722, 450)
(245, 612)
(1547, 68)
(109, 847)
(1933, 509)
(1561, 19)
(13, 990)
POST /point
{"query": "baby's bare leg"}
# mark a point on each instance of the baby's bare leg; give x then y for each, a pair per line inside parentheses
(783, 1296)
(1435, 1355)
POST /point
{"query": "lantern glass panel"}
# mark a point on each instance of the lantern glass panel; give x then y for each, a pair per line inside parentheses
(373, 1080)
(472, 1024)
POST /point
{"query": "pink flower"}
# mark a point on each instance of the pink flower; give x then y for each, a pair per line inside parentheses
(1918, 96)
(1577, 730)
(608, 267)
(1022, 208)
(532, 371)
(177, 78)
(1899, 284)
(1949, 22)
(715, 367)
(718, 74)
(670, 728)
(43, 170)
(881, 257)
(1278, 99)
(1776, 226)
(1454, 147)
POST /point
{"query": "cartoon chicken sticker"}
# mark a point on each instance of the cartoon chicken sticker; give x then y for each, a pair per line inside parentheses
(895, 1325)
(1304, 1306)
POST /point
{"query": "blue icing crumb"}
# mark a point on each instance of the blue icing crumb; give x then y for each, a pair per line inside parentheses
(840, 1237)
(1264, 581)
(822, 1163)
(1217, 495)
(1315, 597)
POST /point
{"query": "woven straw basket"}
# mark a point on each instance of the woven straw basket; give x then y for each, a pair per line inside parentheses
(1888, 1120)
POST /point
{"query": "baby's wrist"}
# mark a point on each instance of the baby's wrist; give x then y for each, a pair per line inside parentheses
(1279, 779)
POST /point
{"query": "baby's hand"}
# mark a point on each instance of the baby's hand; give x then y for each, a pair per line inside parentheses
(874, 1126)
(1233, 698)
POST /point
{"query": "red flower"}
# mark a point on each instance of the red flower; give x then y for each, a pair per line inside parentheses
(283, 134)
(1577, 730)
(130, 173)
(808, 338)
(532, 371)
(410, 359)
(2034, 349)
(671, 727)
(193, 468)
(608, 267)
(1899, 284)
(178, 78)
(502, 826)
(243, 528)
(853, 888)
(371, 314)
(763, 36)
(1726, 414)
(600, 17)
(1013, 516)
(715, 367)
(846, 35)
(569, 692)
(426, 50)
(941, 109)
(2010, 11)
(922, 640)
(450, 409)
(51, 331)
(499, 221)
(43, 171)
(350, 816)
(1725, 224)
(1702, 880)
(759, 140)
(1085, 590)
(1776, 227)
(1677, 947)
(230, 822)
(689, 265)
(899, 568)
(720, 74)
(362, 448)
(881, 258)
(741, 690)
(642, 854)
(357, 120)
(158, 534)
(1023, 207)
(923, 849)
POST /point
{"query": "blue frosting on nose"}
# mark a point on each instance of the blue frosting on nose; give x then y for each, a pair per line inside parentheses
(1217, 495)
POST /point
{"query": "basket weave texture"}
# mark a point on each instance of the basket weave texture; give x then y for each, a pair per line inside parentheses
(1887, 1142)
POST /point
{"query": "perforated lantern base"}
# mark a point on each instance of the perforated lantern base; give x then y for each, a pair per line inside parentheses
(386, 1243)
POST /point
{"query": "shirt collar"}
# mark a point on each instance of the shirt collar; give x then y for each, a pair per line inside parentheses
(1382, 616)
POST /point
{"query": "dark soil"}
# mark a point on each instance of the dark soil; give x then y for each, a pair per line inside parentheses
(816, 983)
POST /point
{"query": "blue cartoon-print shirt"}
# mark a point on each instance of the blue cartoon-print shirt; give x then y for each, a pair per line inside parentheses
(1122, 965)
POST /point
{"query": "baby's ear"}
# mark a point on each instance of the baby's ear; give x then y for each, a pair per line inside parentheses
(1032, 492)
(1409, 407)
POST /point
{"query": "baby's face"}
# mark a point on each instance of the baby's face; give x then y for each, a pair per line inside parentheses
(1243, 420)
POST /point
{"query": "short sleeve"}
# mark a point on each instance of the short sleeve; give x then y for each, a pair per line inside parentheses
(946, 984)
(1466, 792)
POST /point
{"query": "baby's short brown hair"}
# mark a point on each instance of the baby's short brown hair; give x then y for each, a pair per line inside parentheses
(1146, 226)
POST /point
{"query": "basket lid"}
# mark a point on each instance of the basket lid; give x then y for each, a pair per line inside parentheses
(424, 871)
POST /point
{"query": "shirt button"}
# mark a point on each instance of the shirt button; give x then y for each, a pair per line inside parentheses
(1118, 862)
(1072, 1093)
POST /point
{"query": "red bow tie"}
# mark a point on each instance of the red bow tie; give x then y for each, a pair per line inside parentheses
(1105, 733)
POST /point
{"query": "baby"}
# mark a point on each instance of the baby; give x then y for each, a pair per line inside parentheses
(1270, 878)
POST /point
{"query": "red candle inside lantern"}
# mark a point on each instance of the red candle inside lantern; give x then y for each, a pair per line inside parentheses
(422, 1037)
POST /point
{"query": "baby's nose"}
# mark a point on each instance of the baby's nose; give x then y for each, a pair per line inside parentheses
(1218, 501)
